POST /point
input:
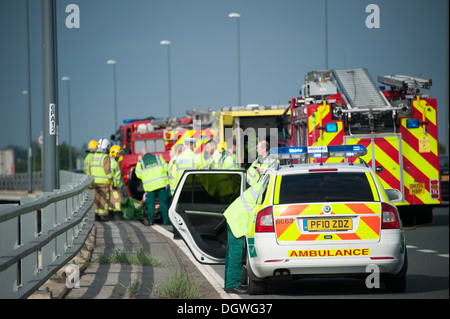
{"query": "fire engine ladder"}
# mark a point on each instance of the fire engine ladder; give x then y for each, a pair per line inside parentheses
(359, 91)
(406, 83)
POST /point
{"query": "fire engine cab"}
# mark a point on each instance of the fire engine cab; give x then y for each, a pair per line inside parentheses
(397, 126)
(158, 136)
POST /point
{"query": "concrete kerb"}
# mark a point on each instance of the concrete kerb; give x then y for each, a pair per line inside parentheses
(56, 288)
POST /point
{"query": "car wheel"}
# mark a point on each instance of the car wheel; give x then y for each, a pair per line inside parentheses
(244, 279)
(397, 283)
(255, 287)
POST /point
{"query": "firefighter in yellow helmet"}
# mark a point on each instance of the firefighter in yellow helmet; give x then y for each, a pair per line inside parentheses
(116, 195)
(92, 147)
(100, 169)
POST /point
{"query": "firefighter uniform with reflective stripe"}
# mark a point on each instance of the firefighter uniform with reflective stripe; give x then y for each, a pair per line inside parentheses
(100, 169)
(116, 196)
(87, 161)
(152, 170)
(237, 215)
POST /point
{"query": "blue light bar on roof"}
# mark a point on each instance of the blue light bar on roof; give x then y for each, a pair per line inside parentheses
(288, 152)
(346, 150)
(318, 151)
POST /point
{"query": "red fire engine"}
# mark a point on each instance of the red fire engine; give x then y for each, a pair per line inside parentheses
(397, 126)
(158, 136)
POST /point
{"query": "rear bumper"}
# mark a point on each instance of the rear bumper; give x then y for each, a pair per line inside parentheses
(330, 259)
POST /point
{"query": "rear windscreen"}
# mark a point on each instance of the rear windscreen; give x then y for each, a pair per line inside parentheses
(325, 187)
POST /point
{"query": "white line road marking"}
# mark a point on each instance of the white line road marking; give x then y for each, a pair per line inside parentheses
(427, 251)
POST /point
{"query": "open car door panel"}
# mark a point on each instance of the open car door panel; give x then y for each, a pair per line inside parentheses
(197, 208)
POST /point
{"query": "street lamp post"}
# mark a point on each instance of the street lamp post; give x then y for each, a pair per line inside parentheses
(66, 78)
(166, 42)
(30, 150)
(238, 16)
(114, 62)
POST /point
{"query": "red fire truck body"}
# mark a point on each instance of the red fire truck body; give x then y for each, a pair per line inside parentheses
(398, 127)
(158, 137)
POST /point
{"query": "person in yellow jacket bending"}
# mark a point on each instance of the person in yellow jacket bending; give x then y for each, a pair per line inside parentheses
(237, 216)
(152, 170)
(116, 195)
(100, 169)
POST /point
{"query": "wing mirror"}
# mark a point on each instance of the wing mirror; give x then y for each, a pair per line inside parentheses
(394, 195)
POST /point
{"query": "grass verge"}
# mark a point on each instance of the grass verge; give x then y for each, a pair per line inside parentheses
(140, 257)
(180, 286)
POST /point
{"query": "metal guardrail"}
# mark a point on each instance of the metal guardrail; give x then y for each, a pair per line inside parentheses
(41, 235)
(19, 181)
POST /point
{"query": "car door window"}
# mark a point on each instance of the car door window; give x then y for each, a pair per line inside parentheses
(209, 192)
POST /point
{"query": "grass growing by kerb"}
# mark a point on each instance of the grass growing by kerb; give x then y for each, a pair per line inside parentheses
(140, 257)
(180, 286)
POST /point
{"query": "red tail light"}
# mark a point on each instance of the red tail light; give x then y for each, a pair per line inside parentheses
(389, 217)
(264, 221)
(434, 188)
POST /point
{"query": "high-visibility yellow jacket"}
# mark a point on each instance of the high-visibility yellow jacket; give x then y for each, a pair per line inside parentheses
(152, 170)
(263, 163)
(213, 161)
(172, 174)
(227, 161)
(86, 163)
(187, 160)
(237, 214)
(100, 168)
(116, 173)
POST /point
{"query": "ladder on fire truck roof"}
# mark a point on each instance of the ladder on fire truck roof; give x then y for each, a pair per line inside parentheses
(405, 83)
(359, 90)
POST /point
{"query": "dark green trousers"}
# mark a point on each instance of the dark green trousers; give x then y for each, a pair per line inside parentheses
(163, 202)
(233, 260)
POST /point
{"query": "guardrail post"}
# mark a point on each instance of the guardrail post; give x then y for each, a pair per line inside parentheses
(28, 232)
(9, 235)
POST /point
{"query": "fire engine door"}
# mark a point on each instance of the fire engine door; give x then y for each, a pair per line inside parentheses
(384, 156)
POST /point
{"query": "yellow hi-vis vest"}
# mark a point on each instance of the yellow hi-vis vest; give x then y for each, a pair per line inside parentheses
(116, 173)
(172, 174)
(152, 170)
(187, 160)
(96, 169)
(237, 214)
(227, 161)
(87, 161)
(252, 174)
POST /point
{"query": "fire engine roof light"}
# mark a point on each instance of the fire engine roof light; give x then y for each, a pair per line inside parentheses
(318, 151)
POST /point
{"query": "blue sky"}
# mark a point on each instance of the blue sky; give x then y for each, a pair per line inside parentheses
(281, 40)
